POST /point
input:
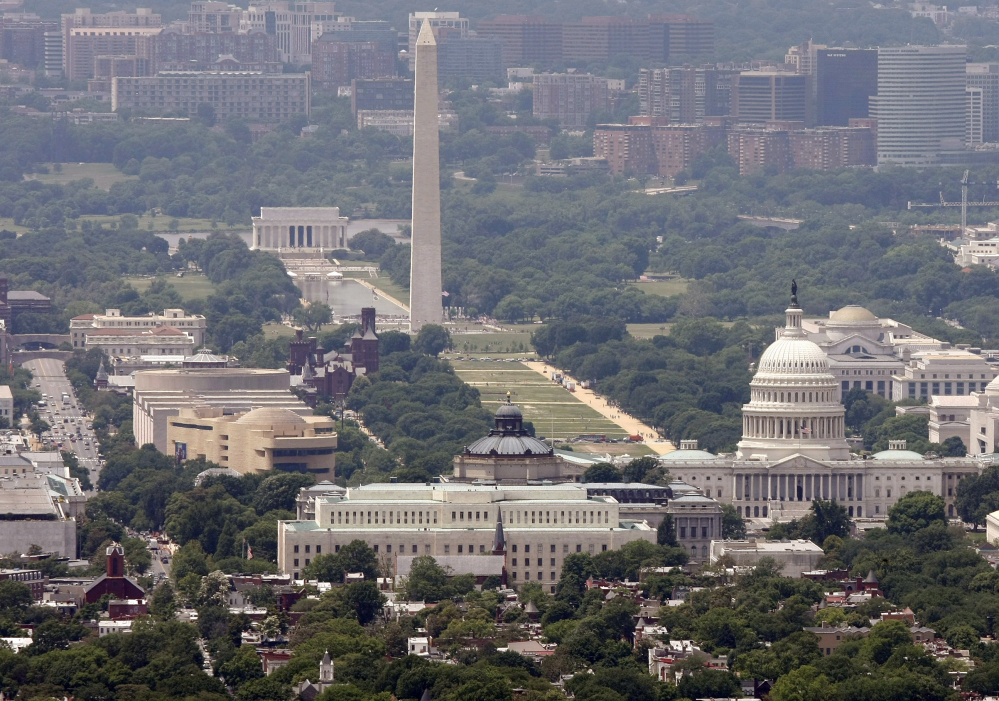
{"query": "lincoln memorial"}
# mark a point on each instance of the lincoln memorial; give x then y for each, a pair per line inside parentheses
(297, 228)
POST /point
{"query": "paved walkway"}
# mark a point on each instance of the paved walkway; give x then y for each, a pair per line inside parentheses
(629, 423)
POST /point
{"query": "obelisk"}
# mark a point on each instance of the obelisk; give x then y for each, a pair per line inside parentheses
(425, 305)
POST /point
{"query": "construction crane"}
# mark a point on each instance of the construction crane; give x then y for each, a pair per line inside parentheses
(963, 204)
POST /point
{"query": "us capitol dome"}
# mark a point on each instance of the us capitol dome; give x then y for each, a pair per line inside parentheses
(793, 407)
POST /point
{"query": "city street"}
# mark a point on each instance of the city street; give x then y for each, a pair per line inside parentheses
(71, 428)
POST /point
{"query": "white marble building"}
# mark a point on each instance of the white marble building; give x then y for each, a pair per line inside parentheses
(794, 449)
(299, 229)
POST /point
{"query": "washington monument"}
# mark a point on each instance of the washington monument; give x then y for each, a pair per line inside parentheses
(425, 274)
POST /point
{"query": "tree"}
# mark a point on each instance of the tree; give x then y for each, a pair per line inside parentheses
(602, 472)
(214, 589)
(313, 316)
(243, 667)
(733, 526)
(828, 519)
(163, 604)
(364, 599)
(427, 580)
(355, 556)
(666, 532)
(915, 511)
(803, 684)
(14, 595)
(372, 242)
(432, 339)
(636, 470)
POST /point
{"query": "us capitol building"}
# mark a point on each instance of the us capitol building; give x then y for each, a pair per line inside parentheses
(794, 449)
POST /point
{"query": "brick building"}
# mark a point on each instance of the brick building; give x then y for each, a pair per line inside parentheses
(253, 96)
(525, 39)
(337, 63)
(649, 145)
(173, 50)
(569, 97)
(603, 38)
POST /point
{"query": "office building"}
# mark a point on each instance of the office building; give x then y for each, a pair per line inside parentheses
(535, 527)
(569, 98)
(803, 58)
(974, 116)
(759, 97)
(40, 509)
(945, 371)
(161, 394)
(648, 145)
(292, 24)
(271, 439)
(193, 325)
(172, 50)
(22, 39)
(920, 103)
(676, 39)
(845, 80)
(684, 95)
(470, 58)
(526, 39)
(86, 35)
(213, 17)
(603, 38)
(249, 95)
(336, 61)
(299, 228)
(985, 77)
(380, 94)
(444, 25)
(162, 340)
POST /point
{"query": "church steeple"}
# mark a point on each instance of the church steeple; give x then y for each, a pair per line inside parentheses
(326, 669)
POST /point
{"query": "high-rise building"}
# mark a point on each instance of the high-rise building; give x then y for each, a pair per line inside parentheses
(603, 38)
(679, 38)
(172, 49)
(292, 23)
(684, 95)
(569, 97)
(443, 24)
(337, 63)
(759, 97)
(86, 44)
(920, 105)
(985, 76)
(381, 94)
(845, 80)
(973, 116)
(647, 145)
(526, 39)
(80, 60)
(803, 57)
(471, 58)
(213, 16)
(22, 39)
(425, 288)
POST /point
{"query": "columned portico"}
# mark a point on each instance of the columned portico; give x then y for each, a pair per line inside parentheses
(297, 228)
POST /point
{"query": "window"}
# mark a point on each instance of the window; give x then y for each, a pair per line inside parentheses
(414, 550)
(515, 548)
(296, 562)
(603, 547)
(447, 551)
(514, 562)
(553, 562)
(553, 547)
(388, 548)
(527, 548)
(308, 548)
(319, 549)
(296, 548)
(460, 549)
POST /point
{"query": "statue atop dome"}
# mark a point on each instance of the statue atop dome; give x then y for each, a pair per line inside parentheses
(794, 292)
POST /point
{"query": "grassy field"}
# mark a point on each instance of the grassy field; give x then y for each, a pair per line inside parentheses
(274, 330)
(8, 224)
(515, 339)
(191, 286)
(552, 409)
(663, 288)
(648, 330)
(104, 175)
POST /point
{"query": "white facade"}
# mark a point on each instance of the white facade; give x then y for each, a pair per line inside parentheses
(299, 228)
(920, 104)
(950, 417)
(780, 467)
(7, 404)
(794, 556)
(542, 524)
(193, 325)
(978, 252)
(943, 372)
(983, 430)
(864, 351)
(292, 24)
